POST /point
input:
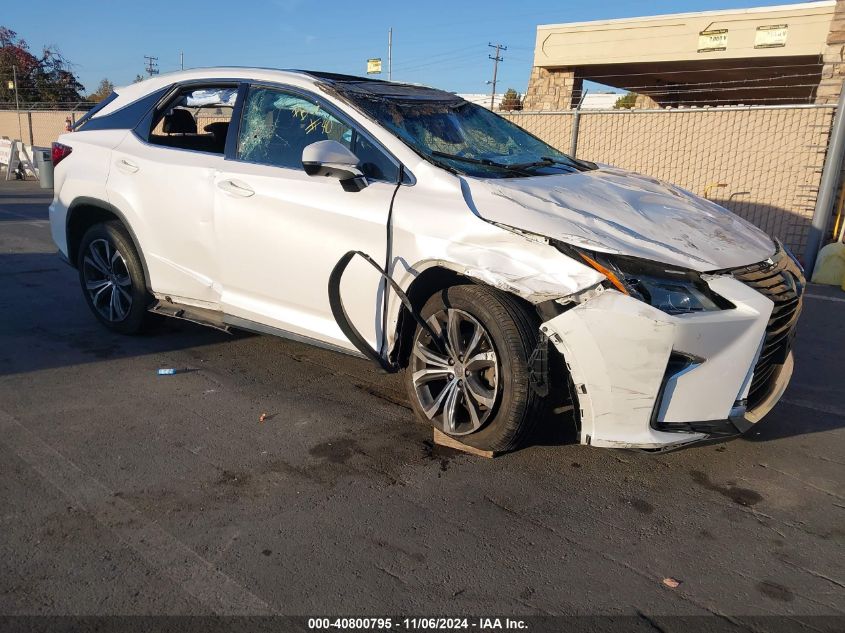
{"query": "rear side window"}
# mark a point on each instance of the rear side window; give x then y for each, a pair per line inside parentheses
(111, 97)
(277, 125)
(124, 118)
(196, 118)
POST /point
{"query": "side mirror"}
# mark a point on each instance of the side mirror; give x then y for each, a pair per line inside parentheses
(334, 160)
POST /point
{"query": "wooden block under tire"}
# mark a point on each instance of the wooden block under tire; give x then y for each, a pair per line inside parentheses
(441, 439)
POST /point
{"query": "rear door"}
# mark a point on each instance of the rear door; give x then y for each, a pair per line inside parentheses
(165, 172)
(280, 232)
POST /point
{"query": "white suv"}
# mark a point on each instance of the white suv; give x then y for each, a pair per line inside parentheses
(511, 282)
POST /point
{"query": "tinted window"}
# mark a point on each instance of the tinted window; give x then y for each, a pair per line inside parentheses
(277, 125)
(124, 118)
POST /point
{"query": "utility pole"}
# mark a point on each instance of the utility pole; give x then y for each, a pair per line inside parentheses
(20, 127)
(17, 101)
(182, 60)
(390, 54)
(496, 59)
(152, 65)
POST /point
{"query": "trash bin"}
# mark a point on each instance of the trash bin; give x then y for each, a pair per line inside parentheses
(44, 163)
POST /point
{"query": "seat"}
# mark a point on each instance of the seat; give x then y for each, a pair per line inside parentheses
(218, 130)
(179, 122)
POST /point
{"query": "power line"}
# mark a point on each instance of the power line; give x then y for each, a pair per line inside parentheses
(152, 65)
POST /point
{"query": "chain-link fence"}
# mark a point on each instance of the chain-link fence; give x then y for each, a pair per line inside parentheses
(763, 163)
(39, 124)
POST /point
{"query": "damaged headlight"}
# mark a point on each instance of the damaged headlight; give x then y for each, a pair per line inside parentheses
(672, 290)
(670, 295)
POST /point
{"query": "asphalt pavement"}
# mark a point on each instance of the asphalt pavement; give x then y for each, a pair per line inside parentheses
(126, 492)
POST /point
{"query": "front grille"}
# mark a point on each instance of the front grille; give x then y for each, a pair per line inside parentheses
(782, 281)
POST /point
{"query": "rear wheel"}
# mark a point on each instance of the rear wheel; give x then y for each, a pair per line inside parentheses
(472, 382)
(112, 278)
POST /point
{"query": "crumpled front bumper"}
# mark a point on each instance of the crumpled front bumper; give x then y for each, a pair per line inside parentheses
(647, 379)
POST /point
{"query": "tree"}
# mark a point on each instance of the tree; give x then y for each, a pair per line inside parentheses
(44, 78)
(103, 90)
(626, 101)
(511, 101)
(138, 78)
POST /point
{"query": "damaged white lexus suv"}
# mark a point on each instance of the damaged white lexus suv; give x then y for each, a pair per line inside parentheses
(508, 281)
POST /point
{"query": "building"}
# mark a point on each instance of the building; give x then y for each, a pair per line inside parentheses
(599, 100)
(483, 99)
(785, 54)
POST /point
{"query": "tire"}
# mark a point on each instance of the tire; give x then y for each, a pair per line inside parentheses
(112, 278)
(510, 334)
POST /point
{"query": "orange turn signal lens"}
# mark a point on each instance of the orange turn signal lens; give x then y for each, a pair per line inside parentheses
(611, 276)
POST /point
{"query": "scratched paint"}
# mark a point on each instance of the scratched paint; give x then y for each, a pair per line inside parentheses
(615, 211)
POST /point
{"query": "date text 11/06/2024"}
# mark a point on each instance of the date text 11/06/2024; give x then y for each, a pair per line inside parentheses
(418, 624)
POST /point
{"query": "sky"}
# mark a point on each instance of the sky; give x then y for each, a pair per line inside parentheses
(436, 42)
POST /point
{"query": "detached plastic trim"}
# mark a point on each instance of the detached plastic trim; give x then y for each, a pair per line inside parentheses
(350, 331)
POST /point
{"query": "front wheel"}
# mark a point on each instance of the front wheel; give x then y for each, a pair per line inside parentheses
(112, 278)
(473, 383)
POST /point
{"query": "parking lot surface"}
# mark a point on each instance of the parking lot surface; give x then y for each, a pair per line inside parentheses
(126, 492)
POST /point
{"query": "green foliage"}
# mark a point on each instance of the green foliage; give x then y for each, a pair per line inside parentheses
(511, 101)
(45, 78)
(103, 90)
(626, 101)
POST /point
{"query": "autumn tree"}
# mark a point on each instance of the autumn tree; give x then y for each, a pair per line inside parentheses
(103, 90)
(47, 77)
(511, 100)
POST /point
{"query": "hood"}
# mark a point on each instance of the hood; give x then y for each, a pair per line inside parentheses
(616, 211)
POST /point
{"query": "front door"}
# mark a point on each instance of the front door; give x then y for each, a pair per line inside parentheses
(280, 232)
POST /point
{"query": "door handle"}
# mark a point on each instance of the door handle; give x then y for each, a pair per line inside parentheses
(126, 166)
(236, 188)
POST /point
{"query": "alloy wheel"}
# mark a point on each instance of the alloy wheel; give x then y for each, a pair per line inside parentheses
(107, 280)
(456, 378)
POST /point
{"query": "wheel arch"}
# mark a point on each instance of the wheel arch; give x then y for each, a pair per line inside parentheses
(431, 280)
(443, 275)
(84, 213)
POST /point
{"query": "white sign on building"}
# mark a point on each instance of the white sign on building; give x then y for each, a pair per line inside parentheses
(772, 36)
(715, 40)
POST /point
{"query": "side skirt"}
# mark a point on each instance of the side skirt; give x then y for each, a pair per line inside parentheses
(226, 322)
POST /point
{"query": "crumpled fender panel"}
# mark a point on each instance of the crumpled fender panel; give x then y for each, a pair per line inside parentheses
(618, 348)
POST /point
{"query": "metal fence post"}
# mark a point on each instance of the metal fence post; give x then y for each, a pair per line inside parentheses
(573, 144)
(29, 121)
(576, 122)
(827, 188)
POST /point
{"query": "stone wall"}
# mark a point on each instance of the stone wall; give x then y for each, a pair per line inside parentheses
(833, 73)
(552, 89)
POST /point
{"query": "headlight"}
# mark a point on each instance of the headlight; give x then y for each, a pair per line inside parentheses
(670, 295)
(672, 290)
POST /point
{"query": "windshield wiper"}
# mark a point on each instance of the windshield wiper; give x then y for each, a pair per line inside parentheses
(472, 161)
(523, 168)
(545, 161)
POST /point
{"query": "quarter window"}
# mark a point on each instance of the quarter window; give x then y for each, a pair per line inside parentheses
(277, 125)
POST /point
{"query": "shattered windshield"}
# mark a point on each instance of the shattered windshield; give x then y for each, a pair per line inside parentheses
(462, 136)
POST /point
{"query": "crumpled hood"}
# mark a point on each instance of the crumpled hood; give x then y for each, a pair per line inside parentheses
(616, 211)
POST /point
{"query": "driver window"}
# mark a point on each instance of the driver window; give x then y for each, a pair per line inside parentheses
(278, 125)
